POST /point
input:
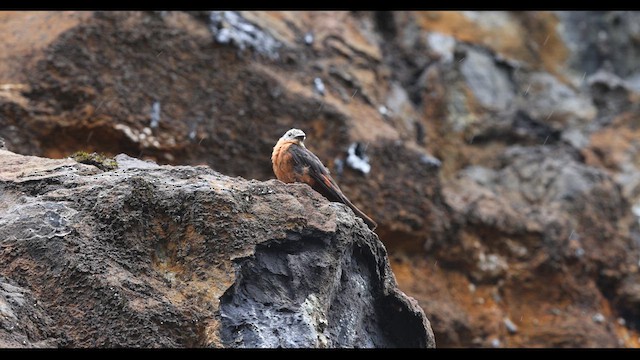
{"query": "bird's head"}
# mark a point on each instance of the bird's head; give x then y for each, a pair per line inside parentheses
(295, 135)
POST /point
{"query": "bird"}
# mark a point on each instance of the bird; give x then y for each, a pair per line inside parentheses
(293, 162)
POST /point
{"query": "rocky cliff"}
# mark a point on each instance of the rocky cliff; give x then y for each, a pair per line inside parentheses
(161, 256)
(500, 149)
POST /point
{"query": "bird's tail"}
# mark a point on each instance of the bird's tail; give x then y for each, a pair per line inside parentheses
(367, 220)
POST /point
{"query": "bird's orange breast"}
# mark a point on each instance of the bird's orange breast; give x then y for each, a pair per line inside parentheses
(282, 162)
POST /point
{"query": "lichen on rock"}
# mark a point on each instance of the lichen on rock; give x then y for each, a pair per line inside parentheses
(98, 160)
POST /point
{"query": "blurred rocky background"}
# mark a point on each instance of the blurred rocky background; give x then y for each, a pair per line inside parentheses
(499, 152)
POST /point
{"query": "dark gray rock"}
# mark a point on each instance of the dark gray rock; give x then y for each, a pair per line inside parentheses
(317, 290)
(489, 83)
(600, 39)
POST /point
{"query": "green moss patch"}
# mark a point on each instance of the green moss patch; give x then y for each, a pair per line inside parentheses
(100, 161)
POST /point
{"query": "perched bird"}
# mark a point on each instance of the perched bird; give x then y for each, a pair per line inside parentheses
(293, 162)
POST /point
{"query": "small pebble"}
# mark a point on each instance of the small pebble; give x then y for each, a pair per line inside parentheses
(511, 327)
(598, 317)
(308, 38)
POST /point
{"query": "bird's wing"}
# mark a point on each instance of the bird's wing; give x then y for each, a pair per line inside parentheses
(309, 169)
(307, 164)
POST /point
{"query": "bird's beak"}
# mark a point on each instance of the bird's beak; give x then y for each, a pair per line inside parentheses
(301, 137)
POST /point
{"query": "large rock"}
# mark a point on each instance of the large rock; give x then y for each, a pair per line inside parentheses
(162, 256)
(541, 229)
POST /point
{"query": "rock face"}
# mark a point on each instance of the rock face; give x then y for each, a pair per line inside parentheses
(162, 256)
(497, 151)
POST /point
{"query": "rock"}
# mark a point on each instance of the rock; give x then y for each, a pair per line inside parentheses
(547, 199)
(162, 256)
(628, 298)
(572, 331)
(443, 45)
(551, 102)
(357, 159)
(598, 318)
(23, 321)
(231, 27)
(511, 327)
(489, 267)
(601, 39)
(561, 185)
(491, 86)
(614, 148)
